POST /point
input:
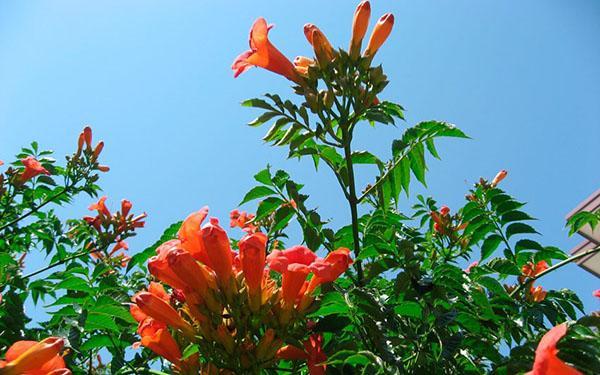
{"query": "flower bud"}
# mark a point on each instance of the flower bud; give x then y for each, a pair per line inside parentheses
(87, 136)
(382, 30)
(323, 49)
(98, 150)
(360, 23)
(499, 177)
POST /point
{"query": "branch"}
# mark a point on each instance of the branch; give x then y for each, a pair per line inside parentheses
(555, 267)
(62, 261)
(35, 209)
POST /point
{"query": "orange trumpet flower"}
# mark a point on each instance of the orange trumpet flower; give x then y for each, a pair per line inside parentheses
(264, 54)
(159, 265)
(190, 236)
(159, 309)
(31, 357)
(546, 360)
(218, 250)
(156, 337)
(32, 168)
(381, 32)
(252, 257)
(329, 269)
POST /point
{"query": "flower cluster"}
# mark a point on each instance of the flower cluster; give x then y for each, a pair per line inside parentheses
(531, 270)
(31, 357)
(113, 228)
(446, 224)
(229, 303)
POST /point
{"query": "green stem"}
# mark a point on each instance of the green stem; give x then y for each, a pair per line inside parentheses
(555, 267)
(35, 209)
(353, 201)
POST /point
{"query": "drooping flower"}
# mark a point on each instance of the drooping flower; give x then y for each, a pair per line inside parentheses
(159, 309)
(100, 206)
(242, 220)
(532, 270)
(380, 33)
(360, 23)
(160, 268)
(264, 54)
(156, 337)
(536, 294)
(329, 269)
(32, 168)
(546, 355)
(32, 357)
(313, 354)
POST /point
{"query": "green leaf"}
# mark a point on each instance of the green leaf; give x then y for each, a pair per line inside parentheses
(364, 157)
(95, 342)
(190, 350)
(490, 245)
(257, 192)
(100, 322)
(262, 118)
(264, 176)
(267, 206)
(409, 309)
(519, 228)
(74, 283)
(256, 103)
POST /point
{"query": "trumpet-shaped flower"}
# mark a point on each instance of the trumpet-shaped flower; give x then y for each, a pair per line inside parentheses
(546, 359)
(32, 168)
(218, 249)
(264, 54)
(252, 259)
(190, 236)
(33, 358)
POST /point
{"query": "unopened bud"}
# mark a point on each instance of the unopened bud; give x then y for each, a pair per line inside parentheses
(381, 32)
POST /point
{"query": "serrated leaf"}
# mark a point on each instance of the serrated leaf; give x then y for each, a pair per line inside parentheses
(519, 228)
(257, 192)
(490, 244)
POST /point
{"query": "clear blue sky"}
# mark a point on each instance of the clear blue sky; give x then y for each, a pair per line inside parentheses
(153, 79)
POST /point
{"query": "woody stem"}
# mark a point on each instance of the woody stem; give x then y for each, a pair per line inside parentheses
(555, 267)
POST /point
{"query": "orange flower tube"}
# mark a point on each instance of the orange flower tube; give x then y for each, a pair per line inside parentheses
(188, 269)
(360, 23)
(302, 63)
(162, 343)
(546, 360)
(291, 283)
(162, 311)
(218, 250)
(159, 265)
(264, 54)
(252, 256)
(381, 32)
(190, 236)
(330, 268)
(34, 357)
